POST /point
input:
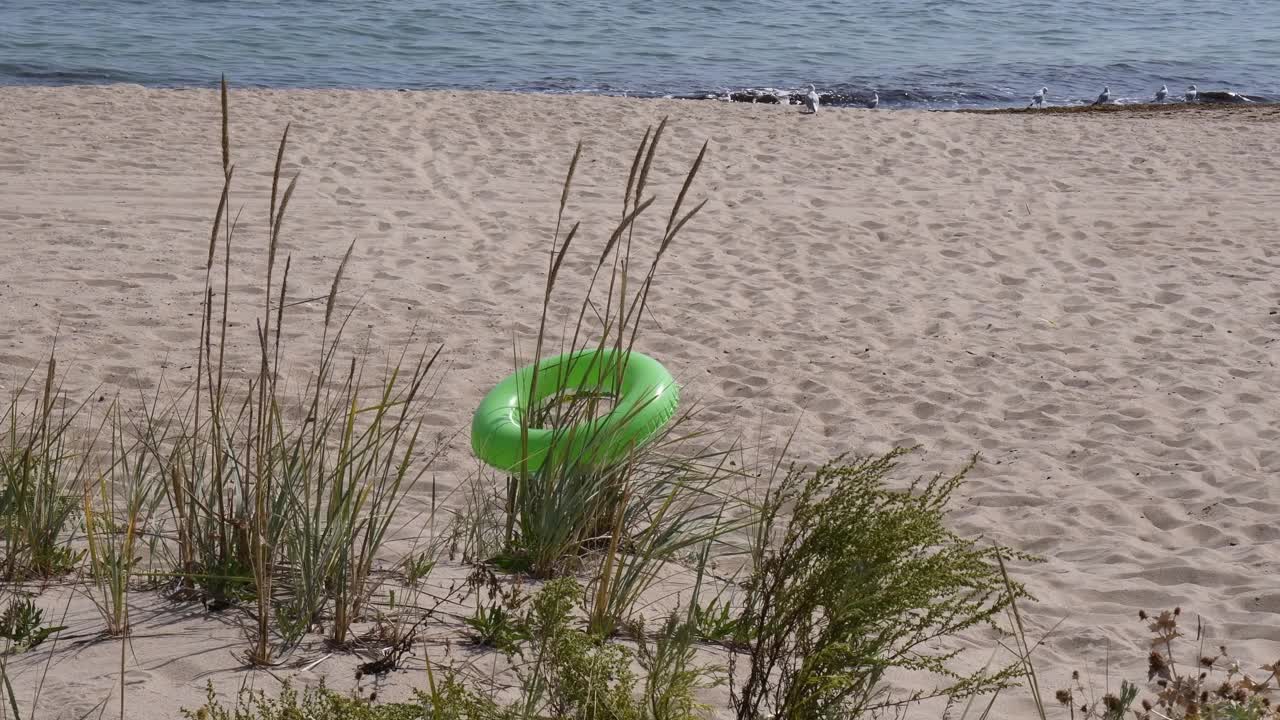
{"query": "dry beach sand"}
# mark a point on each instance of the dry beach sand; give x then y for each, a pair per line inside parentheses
(1088, 300)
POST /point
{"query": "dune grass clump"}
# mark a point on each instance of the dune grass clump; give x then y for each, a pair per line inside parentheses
(608, 500)
(235, 490)
(285, 501)
(585, 488)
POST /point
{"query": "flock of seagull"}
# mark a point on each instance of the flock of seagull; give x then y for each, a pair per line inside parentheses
(1104, 97)
(812, 100)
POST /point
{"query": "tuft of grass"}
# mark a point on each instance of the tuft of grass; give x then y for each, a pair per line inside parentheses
(116, 510)
(40, 469)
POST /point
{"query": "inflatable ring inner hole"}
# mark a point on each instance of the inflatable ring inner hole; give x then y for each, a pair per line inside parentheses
(572, 405)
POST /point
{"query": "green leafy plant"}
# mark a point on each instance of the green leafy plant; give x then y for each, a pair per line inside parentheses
(859, 580)
(22, 625)
(494, 626)
(416, 567)
(716, 622)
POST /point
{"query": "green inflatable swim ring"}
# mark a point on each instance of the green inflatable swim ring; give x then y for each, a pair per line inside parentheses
(644, 401)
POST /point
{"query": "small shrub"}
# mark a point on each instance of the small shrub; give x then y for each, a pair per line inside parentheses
(573, 674)
(861, 579)
(671, 674)
(22, 625)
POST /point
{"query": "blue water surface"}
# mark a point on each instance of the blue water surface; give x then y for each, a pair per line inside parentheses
(935, 53)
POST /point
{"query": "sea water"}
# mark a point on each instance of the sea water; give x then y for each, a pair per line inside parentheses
(932, 53)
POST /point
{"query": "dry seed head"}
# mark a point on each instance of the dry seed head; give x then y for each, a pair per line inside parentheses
(1063, 697)
(1156, 665)
(1142, 614)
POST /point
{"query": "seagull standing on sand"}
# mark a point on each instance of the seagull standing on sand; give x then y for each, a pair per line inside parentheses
(1105, 97)
(874, 101)
(1037, 100)
(811, 100)
(1162, 93)
(1191, 93)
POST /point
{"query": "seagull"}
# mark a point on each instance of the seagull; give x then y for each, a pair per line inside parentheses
(874, 101)
(811, 100)
(1191, 93)
(1162, 93)
(1105, 97)
(1037, 100)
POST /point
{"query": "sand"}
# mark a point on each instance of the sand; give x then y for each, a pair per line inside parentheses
(1088, 300)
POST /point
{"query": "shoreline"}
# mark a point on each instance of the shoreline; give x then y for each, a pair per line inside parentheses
(766, 96)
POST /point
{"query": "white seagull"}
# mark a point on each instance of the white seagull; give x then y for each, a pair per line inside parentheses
(1037, 100)
(811, 100)
(1105, 97)
(1162, 93)
(1191, 93)
(874, 101)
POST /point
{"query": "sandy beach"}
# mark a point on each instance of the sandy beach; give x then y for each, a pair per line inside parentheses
(1087, 300)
